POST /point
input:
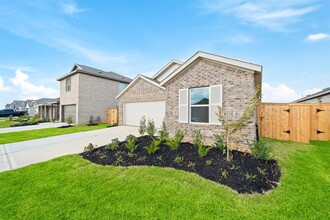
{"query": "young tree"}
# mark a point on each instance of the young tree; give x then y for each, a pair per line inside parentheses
(231, 128)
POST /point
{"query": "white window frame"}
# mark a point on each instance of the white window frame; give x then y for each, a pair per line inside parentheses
(210, 105)
(190, 106)
(68, 84)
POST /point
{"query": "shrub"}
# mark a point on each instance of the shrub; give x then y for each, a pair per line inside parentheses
(250, 176)
(143, 127)
(203, 150)
(131, 142)
(163, 133)
(260, 150)
(69, 120)
(91, 119)
(151, 129)
(178, 160)
(175, 143)
(154, 146)
(219, 142)
(113, 145)
(89, 148)
(197, 138)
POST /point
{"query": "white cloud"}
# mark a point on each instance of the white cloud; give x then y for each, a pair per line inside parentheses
(71, 9)
(4, 88)
(28, 90)
(283, 93)
(275, 15)
(317, 37)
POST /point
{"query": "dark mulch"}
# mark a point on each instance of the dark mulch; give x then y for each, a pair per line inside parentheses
(92, 124)
(66, 126)
(24, 124)
(237, 174)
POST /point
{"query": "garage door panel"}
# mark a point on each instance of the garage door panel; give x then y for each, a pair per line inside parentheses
(69, 110)
(133, 112)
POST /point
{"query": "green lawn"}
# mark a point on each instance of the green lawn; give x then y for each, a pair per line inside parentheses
(11, 137)
(6, 123)
(72, 188)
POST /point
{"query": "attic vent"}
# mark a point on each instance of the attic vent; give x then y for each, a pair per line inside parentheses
(100, 72)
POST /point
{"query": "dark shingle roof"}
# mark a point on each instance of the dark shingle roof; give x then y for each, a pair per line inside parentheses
(314, 95)
(43, 101)
(78, 68)
(18, 104)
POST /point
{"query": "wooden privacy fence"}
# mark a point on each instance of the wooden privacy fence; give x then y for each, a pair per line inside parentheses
(296, 122)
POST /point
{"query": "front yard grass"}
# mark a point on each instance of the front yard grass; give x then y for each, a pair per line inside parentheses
(12, 137)
(5, 123)
(73, 188)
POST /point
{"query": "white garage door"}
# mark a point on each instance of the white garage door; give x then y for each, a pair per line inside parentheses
(69, 110)
(133, 112)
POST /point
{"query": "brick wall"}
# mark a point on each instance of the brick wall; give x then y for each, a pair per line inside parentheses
(237, 85)
(141, 91)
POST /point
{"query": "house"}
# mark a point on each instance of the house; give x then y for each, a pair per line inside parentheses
(16, 105)
(186, 95)
(318, 97)
(29, 107)
(87, 91)
(42, 107)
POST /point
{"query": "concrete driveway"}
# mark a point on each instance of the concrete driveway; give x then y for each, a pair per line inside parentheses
(20, 154)
(32, 127)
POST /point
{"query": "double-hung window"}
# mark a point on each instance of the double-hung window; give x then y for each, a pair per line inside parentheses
(68, 84)
(200, 105)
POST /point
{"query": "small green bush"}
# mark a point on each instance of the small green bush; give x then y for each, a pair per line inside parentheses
(175, 143)
(131, 143)
(143, 127)
(153, 147)
(260, 150)
(69, 120)
(89, 148)
(197, 138)
(178, 160)
(151, 129)
(91, 119)
(163, 133)
(113, 145)
(203, 150)
(219, 142)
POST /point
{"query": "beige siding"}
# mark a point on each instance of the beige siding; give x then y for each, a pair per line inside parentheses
(96, 95)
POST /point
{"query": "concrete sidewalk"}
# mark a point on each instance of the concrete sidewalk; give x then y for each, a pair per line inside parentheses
(32, 127)
(20, 154)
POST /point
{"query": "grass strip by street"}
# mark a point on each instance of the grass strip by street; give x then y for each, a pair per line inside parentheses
(70, 187)
(12, 137)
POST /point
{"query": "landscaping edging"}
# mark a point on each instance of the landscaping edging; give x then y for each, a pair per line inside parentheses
(244, 174)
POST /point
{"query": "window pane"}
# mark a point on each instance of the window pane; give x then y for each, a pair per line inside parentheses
(199, 96)
(122, 86)
(200, 114)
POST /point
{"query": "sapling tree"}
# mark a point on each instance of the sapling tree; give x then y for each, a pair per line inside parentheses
(143, 126)
(230, 128)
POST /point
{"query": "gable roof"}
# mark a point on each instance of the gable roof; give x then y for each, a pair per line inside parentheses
(323, 92)
(222, 59)
(150, 80)
(29, 102)
(166, 67)
(18, 104)
(78, 68)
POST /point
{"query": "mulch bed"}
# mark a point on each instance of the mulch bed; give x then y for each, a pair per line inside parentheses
(66, 126)
(243, 173)
(24, 124)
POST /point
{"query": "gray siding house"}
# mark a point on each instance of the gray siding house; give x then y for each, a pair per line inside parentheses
(318, 97)
(87, 91)
(186, 95)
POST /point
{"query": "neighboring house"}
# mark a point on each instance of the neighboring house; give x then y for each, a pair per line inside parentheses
(87, 91)
(16, 105)
(29, 107)
(187, 95)
(318, 97)
(42, 107)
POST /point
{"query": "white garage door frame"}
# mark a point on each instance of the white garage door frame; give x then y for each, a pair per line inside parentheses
(134, 111)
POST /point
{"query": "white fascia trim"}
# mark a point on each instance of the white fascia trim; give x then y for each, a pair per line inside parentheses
(222, 59)
(135, 80)
(165, 67)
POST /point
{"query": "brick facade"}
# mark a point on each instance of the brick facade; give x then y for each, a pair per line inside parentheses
(141, 91)
(237, 85)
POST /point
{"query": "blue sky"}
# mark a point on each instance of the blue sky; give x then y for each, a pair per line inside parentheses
(41, 40)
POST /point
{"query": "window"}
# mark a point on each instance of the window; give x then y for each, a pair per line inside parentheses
(122, 86)
(200, 105)
(68, 84)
